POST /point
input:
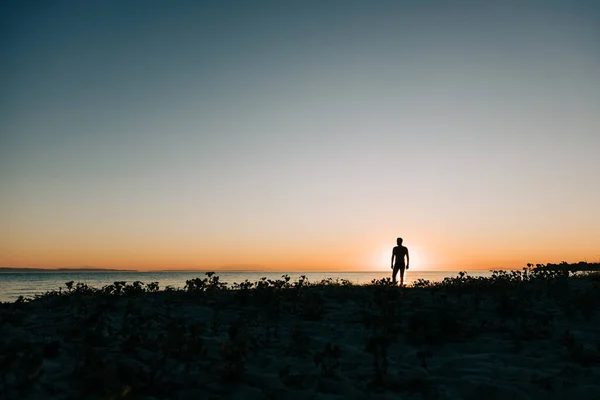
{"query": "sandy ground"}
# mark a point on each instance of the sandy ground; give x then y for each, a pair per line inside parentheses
(493, 339)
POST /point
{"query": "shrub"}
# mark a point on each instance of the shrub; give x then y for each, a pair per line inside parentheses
(328, 360)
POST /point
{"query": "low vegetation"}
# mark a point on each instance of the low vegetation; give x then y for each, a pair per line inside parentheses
(135, 341)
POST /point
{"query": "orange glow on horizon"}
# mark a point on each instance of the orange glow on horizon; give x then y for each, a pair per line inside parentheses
(281, 256)
(367, 248)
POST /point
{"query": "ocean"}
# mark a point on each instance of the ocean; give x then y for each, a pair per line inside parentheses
(28, 284)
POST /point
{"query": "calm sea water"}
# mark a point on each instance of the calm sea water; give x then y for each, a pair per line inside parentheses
(28, 284)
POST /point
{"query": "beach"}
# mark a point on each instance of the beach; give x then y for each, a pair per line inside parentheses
(518, 335)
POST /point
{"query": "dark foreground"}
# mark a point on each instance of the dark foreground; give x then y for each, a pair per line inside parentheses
(517, 335)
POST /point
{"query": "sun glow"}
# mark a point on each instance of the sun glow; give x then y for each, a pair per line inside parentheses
(419, 259)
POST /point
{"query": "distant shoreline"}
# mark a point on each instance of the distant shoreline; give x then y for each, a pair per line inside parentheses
(573, 267)
(216, 271)
(10, 269)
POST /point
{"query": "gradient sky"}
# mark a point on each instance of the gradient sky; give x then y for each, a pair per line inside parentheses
(299, 135)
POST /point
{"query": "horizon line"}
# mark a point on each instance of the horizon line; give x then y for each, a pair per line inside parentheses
(90, 269)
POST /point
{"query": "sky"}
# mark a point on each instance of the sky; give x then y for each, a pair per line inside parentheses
(299, 135)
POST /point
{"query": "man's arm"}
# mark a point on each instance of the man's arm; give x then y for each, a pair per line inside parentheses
(393, 254)
(407, 258)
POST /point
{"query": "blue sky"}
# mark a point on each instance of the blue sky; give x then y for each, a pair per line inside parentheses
(299, 134)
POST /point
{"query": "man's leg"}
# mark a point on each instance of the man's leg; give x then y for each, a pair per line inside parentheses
(401, 276)
(394, 272)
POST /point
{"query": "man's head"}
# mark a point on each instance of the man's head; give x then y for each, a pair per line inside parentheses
(399, 241)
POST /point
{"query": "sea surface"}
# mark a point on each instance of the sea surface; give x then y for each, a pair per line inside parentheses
(29, 284)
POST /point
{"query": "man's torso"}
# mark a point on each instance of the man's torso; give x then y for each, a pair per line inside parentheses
(399, 252)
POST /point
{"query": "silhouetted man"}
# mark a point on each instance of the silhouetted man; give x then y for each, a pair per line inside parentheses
(398, 253)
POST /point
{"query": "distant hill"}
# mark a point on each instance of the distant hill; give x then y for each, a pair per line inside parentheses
(11, 269)
(565, 266)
